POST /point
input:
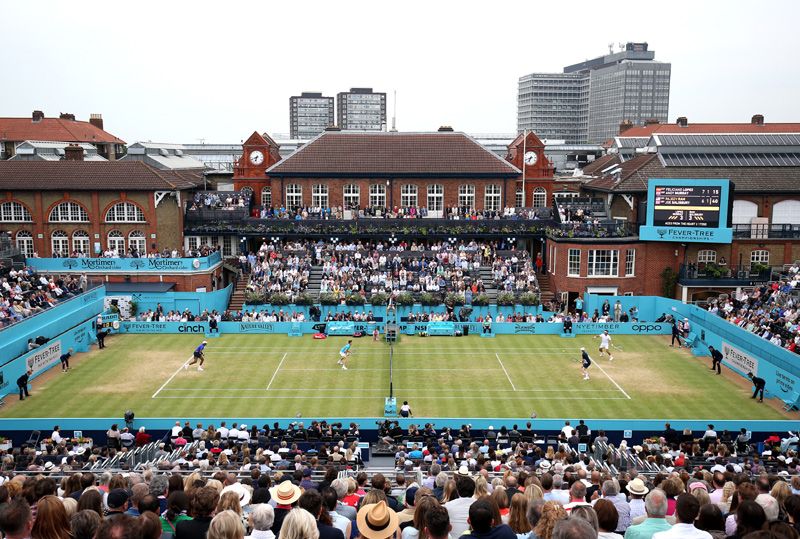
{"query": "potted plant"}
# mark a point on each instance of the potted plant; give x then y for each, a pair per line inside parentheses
(304, 299)
(505, 298)
(454, 298)
(481, 300)
(379, 298)
(529, 299)
(355, 299)
(405, 299)
(328, 299)
(428, 299)
(251, 297)
(279, 299)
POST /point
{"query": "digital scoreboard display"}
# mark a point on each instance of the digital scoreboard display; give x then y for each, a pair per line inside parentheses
(687, 210)
(686, 206)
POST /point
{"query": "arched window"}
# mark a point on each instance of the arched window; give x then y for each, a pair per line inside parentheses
(786, 212)
(14, 212)
(69, 212)
(492, 200)
(294, 195)
(759, 256)
(116, 242)
(59, 240)
(352, 196)
(137, 240)
(248, 194)
(466, 196)
(408, 195)
(707, 256)
(25, 242)
(80, 242)
(266, 197)
(743, 212)
(125, 212)
(377, 195)
(319, 195)
(539, 197)
(519, 198)
(435, 199)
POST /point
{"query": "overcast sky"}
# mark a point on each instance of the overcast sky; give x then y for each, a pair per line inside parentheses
(174, 71)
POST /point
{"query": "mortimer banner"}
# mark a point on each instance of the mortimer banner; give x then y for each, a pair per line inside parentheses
(159, 265)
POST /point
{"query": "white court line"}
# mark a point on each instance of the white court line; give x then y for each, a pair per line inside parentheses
(597, 363)
(505, 371)
(386, 369)
(382, 391)
(174, 374)
(363, 397)
(276, 372)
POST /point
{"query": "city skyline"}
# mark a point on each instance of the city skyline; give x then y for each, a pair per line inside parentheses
(451, 66)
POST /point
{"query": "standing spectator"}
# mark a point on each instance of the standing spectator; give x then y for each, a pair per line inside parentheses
(458, 509)
(204, 502)
(686, 510)
(311, 501)
(177, 511)
(656, 506)
(51, 520)
(16, 520)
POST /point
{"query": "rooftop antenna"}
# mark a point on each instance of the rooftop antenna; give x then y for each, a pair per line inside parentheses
(621, 46)
(394, 112)
(201, 140)
(610, 48)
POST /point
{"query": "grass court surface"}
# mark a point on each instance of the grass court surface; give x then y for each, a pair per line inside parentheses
(279, 376)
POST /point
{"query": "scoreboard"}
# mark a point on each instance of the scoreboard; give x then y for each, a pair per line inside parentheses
(688, 210)
(695, 206)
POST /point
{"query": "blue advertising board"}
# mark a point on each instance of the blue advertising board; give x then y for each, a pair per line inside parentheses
(687, 210)
(125, 265)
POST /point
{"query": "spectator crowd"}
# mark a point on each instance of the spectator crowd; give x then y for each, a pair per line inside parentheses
(24, 292)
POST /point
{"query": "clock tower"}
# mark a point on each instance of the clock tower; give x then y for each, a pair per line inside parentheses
(259, 152)
(526, 153)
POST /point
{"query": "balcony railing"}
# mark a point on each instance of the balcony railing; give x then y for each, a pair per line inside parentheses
(766, 231)
(716, 275)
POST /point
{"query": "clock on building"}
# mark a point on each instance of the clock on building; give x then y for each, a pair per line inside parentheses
(530, 158)
(256, 157)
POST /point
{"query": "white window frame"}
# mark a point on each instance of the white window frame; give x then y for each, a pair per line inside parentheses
(603, 263)
(574, 263)
(59, 242)
(294, 195)
(519, 198)
(540, 197)
(466, 196)
(14, 212)
(125, 212)
(377, 195)
(266, 197)
(435, 198)
(24, 242)
(81, 242)
(138, 239)
(759, 256)
(409, 195)
(68, 212)
(115, 240)
(630, 262)
(707, 256)
(493, 197)
(319, 195)
(351, 196)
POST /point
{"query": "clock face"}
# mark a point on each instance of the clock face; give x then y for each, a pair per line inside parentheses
(256, 157)
(530, 158)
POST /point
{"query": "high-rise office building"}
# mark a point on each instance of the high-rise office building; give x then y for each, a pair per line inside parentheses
(309, 114)
(588, 101)
(361, 109)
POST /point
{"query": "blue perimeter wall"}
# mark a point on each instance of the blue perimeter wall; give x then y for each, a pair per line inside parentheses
(196, 302)
(780, 368)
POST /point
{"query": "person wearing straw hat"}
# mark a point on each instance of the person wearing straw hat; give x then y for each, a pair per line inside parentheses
(285, 495)
(377, 521)
(638, 490)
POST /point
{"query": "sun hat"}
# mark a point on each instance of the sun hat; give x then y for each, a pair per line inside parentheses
(242, 491)
(285, 493)
(698, 484)
(463, 471)
(637, 487)
(544, 465)
(377, 521)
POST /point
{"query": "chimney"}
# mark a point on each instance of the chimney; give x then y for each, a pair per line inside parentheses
(624, 125)
(66, 116)
(96, 120)
(682, 121)
(73, 152)
(652, 121)
(758, 119)
(445, 129)
(38, 116)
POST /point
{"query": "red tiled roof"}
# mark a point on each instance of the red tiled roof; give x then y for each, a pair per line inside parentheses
(92, 176)
(599, 164)
(393, 154)
(54, 129)
(647, 130)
